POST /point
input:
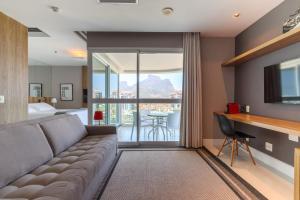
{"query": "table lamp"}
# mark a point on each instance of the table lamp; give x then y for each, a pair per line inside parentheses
(54, 101)
(98, 115)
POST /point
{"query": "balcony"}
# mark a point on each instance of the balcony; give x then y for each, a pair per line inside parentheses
(158, 122)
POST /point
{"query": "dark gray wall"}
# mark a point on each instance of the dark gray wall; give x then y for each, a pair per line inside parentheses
(134, 40)
(249, 77)
(217, 82)
(267, 27)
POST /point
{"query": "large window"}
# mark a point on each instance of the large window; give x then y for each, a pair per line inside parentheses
(140, 93)
(160, 76)
(99, 82)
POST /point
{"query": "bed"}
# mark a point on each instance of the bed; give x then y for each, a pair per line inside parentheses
(40, 110)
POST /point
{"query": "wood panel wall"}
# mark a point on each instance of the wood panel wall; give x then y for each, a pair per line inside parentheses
(13, 70)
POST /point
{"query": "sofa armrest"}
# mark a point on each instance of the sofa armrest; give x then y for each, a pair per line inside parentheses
(101, 130)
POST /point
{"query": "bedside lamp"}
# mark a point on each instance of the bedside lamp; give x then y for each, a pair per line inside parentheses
(98, 115)
(54, 101)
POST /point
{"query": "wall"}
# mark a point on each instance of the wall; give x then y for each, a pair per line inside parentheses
(53, 76)
(134, 40)
(13, 70)
(249, 79)
(67, 75)
(267, 27)
(218, 82)
(41, 74)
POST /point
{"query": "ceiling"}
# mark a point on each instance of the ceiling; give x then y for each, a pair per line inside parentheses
(210, 17)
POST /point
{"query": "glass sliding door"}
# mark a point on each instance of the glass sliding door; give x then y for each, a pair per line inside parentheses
(115, 92)
(123, 116)
(160, 91)
(139, 93)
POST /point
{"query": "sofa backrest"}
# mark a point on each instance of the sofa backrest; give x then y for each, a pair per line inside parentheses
(23, 147)
(63, 132)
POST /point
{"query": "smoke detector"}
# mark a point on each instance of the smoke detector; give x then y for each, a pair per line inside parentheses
(167, 11)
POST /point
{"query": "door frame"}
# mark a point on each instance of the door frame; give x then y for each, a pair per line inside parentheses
(136, 101)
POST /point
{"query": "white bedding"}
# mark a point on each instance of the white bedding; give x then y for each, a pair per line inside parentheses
(40, 110)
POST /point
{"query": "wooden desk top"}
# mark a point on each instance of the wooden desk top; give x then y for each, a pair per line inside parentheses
(283, 126)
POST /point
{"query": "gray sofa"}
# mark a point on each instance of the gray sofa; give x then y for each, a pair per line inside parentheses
(54, 158)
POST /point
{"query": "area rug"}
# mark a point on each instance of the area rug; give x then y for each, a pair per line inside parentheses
(168, 175)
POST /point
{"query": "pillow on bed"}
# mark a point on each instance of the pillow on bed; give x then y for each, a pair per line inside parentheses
(42, 107)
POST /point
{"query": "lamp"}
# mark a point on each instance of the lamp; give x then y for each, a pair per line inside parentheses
(54, 101)
(98, 115)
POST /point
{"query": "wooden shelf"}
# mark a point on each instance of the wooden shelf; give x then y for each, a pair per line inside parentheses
(279, 42)
(279, 125)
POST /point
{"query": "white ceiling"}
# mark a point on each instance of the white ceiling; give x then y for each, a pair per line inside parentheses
(211, 17)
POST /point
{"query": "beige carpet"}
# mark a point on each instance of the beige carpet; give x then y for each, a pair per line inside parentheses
(165, 175)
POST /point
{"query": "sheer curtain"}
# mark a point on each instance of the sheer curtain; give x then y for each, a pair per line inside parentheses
(191, 114)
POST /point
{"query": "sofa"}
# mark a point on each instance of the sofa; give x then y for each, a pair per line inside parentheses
(55, 158)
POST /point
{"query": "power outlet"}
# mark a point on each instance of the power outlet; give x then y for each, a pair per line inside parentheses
(294, 138)
(269, 146)
(2, 99)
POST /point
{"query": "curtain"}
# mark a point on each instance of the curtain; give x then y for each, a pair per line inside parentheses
(191, 112)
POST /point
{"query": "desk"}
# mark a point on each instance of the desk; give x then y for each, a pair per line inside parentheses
(279, 125)
(284, 126)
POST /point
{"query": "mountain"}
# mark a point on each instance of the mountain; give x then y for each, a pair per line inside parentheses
(151, 87)
(124, 85)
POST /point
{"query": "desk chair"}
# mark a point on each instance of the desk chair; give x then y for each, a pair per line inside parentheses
(233, 137)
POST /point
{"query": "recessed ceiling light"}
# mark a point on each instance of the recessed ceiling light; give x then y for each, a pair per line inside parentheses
(78, 53)
(167, 11)
(237, 14)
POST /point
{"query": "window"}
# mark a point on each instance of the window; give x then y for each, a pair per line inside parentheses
(140, 93)
(161, 76)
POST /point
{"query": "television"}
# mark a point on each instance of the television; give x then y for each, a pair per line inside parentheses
(282, 82)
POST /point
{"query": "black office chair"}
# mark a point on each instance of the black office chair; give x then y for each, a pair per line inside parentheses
(233, 137)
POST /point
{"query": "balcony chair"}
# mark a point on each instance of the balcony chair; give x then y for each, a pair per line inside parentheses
(144, 122)
(233, 137)
(172, 123)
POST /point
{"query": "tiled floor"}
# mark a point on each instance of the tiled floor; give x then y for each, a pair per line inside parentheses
(265, 180)
(146, 134)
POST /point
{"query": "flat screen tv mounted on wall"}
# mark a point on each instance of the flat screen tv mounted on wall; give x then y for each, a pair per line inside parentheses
(282, 82)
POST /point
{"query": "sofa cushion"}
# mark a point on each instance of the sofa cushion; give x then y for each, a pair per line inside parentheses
(23, 147)
(63, 132)
(66, 176)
